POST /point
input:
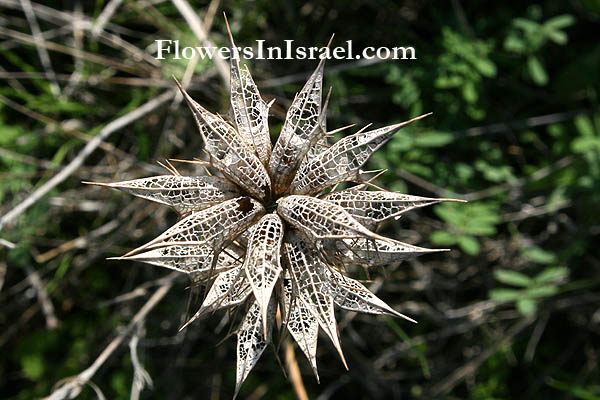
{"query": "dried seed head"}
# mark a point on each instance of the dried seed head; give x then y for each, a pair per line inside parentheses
(262, 255)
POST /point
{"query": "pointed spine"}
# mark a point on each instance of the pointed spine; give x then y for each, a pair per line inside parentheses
(250, 111)
(300, 130)
(343, 160)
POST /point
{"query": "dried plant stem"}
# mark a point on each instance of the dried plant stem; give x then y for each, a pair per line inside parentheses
(141, 378)
(210, 14)
(24, 38)
(13, 82)
(42, 295)
(3, 269)
(105, 16)
(83, 154)
(447, 384)
(199, 30)
(72, 386)
(96, 79)
(78, 64)
(536, 335)
(39, 44)
(294, 371)
(80, 242)
(6, 243)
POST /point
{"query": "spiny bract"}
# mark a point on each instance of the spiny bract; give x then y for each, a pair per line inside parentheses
(270, 232)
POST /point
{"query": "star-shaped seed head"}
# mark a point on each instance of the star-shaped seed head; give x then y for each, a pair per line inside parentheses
(266, 230)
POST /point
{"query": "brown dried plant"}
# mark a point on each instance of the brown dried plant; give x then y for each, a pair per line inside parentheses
(267, 231)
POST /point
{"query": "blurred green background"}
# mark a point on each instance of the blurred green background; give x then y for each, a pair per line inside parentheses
(512, 312)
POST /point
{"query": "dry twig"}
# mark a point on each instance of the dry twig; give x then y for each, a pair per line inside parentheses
(84, 153)
(294, 371)
(42, 295)
(199, 30)
(71, 387)
(39, 45)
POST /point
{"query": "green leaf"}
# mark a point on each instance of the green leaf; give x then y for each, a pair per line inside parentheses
(401, 142)
(584, 125)
(469, 92)
(443, 238)
(537, 71)
(557, 37)
(495, 173)
(449, 213)
(591, 392)
(584, 144)
(539, 255)
(10, 133)
(505, 294)
(445, 82)
(551, 274)
(469, 244)
(513, 278)
(527, 307)
(474, 219)
(557, 198)
(433, 139)
(33, 366)
(464, 171)
(62, 152)
(526, 25)
(479, 228)
(514, 43)
(542, 291)
(485, 67)
(559, 22)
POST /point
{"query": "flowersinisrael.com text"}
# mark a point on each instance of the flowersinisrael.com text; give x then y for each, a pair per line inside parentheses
(166, 48)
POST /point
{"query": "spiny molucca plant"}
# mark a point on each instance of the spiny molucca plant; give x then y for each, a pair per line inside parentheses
(267, 231)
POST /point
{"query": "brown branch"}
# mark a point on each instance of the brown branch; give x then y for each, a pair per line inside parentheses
(447, 384)
(78, 243)
(104, 17)
(83, 155)
(39, 45)
(72, 386)
(24, 38)
(294, 371)
(42, 295)
(197, 26)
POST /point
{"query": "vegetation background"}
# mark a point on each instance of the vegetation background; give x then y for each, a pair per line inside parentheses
(511, 312)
